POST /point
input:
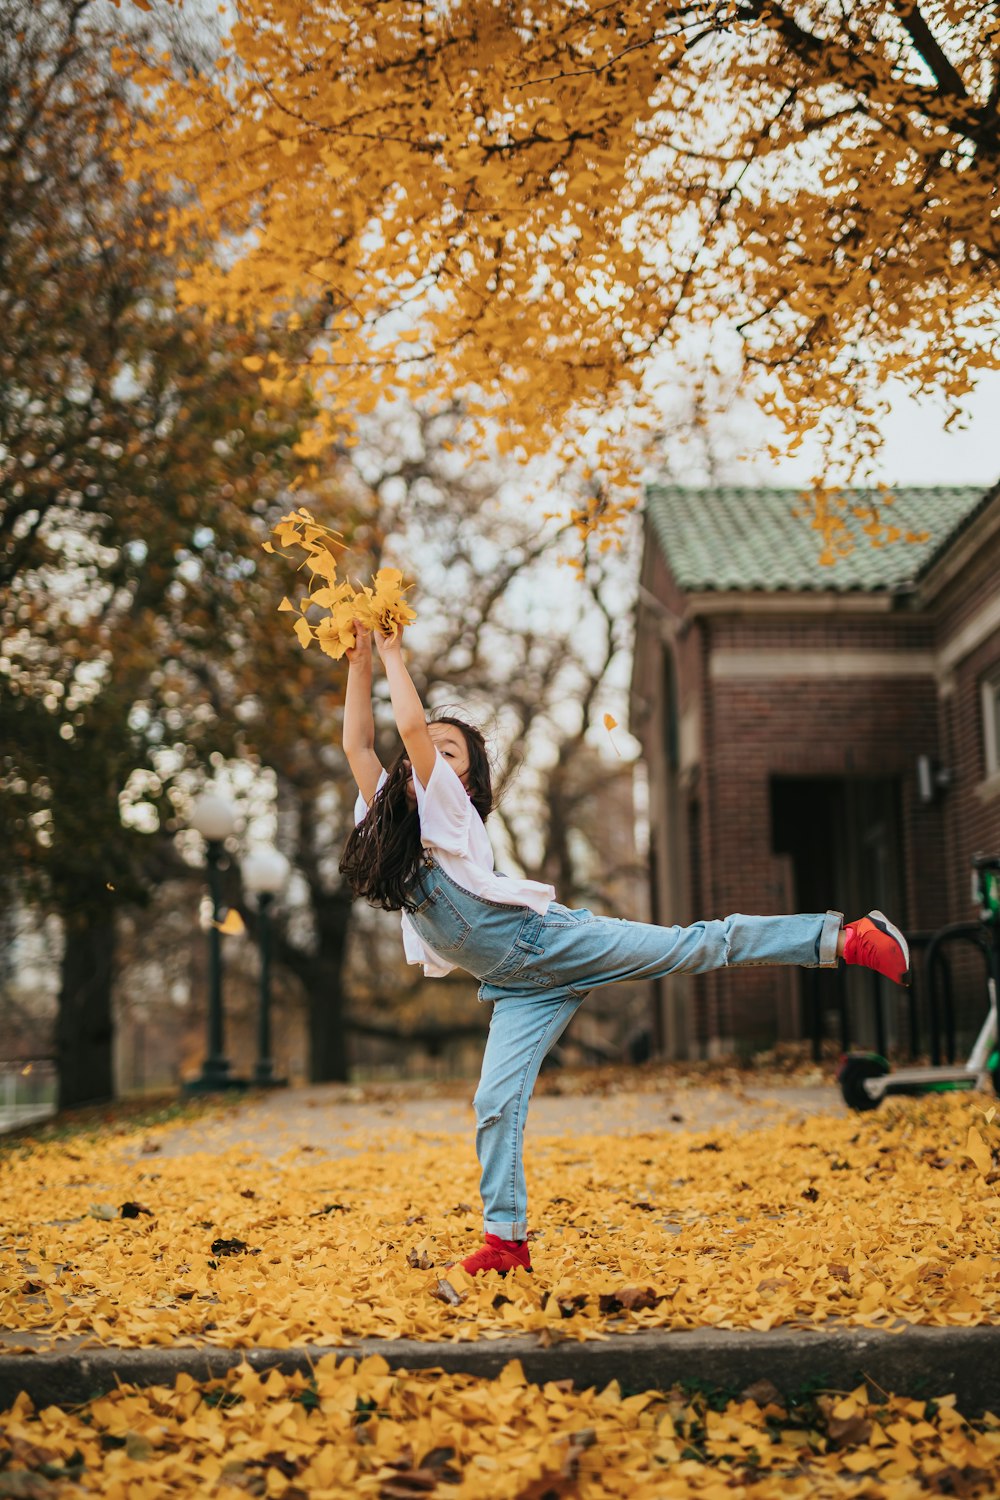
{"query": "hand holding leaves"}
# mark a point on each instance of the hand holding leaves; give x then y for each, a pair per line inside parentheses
(361, 652)
(389, 645)
(379, 606)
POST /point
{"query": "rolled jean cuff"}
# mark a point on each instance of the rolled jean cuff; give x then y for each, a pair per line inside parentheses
(828, 939)
(506, 1229)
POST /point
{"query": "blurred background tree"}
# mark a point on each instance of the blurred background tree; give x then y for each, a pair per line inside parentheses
(138, 468)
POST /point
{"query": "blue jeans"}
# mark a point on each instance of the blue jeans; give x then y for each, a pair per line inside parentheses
(537, 970)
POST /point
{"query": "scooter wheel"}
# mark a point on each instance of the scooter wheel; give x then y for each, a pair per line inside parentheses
(851, 1076)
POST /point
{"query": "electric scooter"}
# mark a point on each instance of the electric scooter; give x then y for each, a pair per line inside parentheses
(865, 1078)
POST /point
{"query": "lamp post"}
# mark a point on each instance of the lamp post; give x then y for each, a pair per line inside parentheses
(264, 874)
(214, 818)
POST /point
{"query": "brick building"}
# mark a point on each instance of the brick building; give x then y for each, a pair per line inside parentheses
(815, 736)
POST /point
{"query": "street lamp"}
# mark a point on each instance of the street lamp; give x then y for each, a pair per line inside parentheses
(214, 818)
(264, 874)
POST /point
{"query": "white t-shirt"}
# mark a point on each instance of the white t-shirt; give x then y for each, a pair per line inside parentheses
(453, 831)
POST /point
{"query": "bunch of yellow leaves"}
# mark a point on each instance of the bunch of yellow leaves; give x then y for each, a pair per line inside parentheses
(358, 1427)
(379, 606)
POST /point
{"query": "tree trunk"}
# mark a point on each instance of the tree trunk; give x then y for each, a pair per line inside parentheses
(322, 974)
(329, 1058)
(84, 1030)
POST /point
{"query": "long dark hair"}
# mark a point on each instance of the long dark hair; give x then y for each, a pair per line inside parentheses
(382, 856)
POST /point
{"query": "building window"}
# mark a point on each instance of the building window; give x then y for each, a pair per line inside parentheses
(991, 722)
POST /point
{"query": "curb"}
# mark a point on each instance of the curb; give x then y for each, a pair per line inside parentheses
(914, 1361)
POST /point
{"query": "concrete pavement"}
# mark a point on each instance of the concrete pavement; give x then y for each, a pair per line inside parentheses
(326, 1114)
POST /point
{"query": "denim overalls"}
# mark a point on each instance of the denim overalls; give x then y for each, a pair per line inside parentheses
(537, 969)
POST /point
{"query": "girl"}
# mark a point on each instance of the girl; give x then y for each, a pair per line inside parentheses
(420, 847)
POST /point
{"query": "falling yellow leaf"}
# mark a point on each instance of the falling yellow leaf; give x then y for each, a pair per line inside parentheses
(977, 1149)
(26, 1070)
(232, 923)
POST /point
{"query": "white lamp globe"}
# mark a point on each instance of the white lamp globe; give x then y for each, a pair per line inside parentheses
(213, 817)
(265, 872)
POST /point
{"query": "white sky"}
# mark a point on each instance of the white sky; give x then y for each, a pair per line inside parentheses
(917, 448)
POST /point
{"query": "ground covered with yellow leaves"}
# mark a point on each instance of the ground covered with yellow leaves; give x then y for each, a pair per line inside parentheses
(874, 1219)
(359, 1429)
(870, 1219)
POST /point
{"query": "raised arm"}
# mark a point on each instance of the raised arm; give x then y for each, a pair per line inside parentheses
(359, 722)
(411, 721)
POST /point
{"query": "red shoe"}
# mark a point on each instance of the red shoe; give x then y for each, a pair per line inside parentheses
(498, 1255)
(875, 943)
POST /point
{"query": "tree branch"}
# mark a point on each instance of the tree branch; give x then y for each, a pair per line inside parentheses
(843, 63)
(949, 79)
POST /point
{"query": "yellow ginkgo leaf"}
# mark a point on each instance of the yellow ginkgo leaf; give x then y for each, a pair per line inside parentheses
(321, 562)
(336, 633)
(285, 606)
(232, 923)
(977, 1149)
(332, 597)
(610, 722)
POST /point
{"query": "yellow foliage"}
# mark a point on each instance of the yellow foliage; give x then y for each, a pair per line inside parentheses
(525, 217)
(379, 606)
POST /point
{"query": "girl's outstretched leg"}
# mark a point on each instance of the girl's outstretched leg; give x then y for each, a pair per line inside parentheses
(577, 951)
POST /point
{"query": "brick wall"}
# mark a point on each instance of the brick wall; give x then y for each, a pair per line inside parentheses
(751, 728)
(971, 804)
(758, 729)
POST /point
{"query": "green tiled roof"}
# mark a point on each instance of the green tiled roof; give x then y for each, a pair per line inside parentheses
(751, 539)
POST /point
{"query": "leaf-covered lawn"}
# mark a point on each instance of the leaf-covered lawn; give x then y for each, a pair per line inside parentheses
(359, 1429)
(867, 1219)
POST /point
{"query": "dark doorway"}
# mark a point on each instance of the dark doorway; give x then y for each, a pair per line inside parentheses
(842, 836)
